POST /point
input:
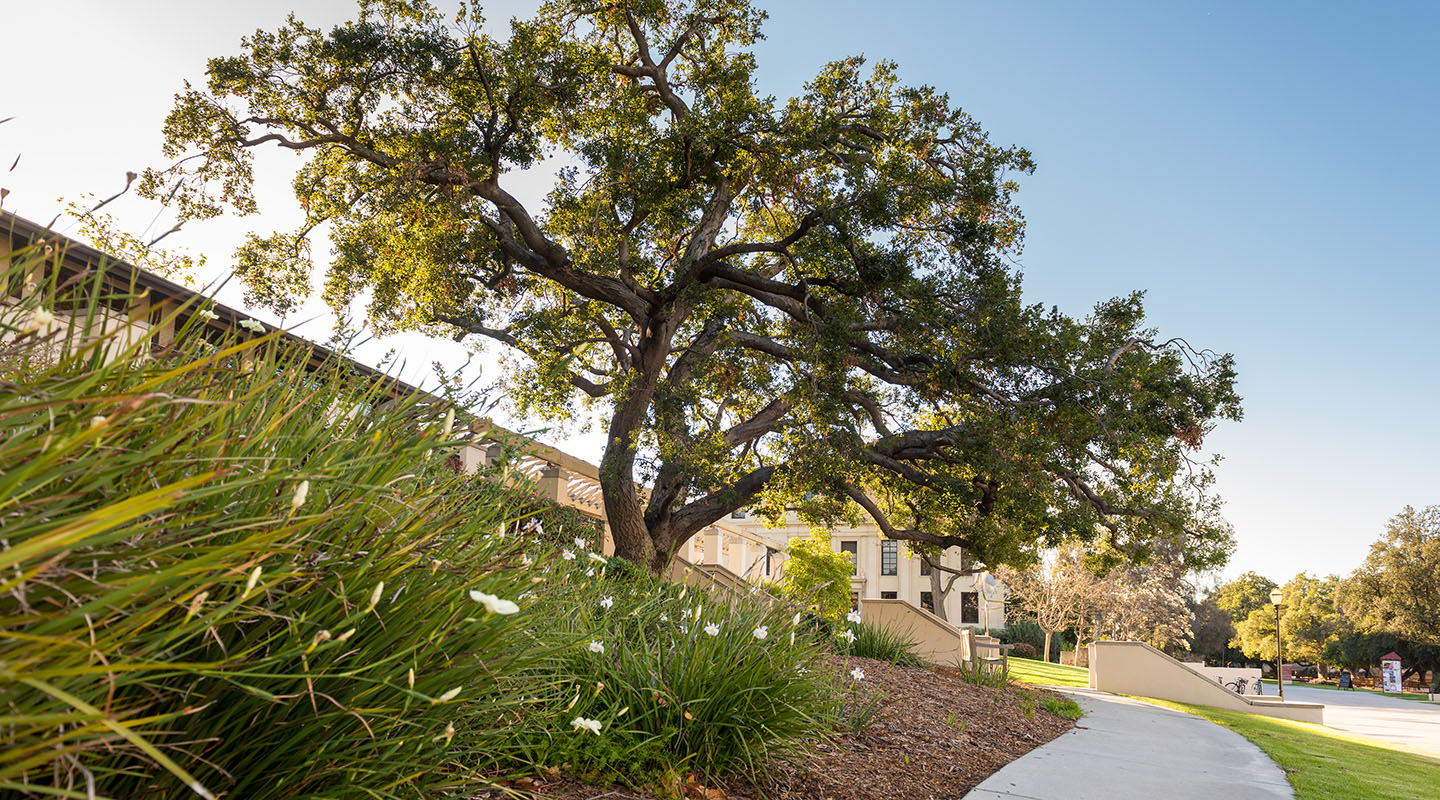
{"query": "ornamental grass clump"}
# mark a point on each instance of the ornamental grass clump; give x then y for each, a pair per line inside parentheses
(678, 680)
(228, 571)
(881, 643)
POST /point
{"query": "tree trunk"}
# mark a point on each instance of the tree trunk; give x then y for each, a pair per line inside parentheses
(937, 594)
(1046, 656)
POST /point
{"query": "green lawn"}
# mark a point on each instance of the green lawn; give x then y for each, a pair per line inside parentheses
(1326, 764)
(1419, 698)
(1039, 673)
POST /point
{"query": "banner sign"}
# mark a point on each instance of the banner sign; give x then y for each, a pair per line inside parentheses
(1390, 675)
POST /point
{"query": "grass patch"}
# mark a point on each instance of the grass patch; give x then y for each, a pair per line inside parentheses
(1325, 764)
(1040, 673)
(1063, 707)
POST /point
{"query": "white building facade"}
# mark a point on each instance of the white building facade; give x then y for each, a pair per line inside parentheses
(884, 568)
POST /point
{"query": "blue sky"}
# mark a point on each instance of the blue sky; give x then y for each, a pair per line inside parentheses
(1267, 172)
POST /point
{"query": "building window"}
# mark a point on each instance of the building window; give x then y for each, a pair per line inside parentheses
(854, 601)
(927, 601)
(969, 608)
(924, 566)
(889, 558)
(853, 548)
(889, 595)
(770, 553)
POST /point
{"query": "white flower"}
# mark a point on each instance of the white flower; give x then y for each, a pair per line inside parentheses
(713, 628)
(664, 617)
(375, 595)
(448, 696)
(40, 320)
(858, 674)
(684, 613)
(449, 425)
(607, 602)
(762, 631)
(206, 313)
(582, 724)
(97, 422)
(597, 646)
(567, 555)
(345, 637)
(848, 636)
(590, 572)
(596, 557)
(252, 325)
(796, 619)
(581, 543)
(493, 604)
(301, 492)
(526, 559)
(251, 581)
(853, 616)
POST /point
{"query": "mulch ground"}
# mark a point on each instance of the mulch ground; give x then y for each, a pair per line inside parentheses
(937, 739)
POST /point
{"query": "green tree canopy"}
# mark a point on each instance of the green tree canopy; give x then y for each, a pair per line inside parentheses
(808, 302)
(1308, 618)
(1397, 589)
(1248, 593)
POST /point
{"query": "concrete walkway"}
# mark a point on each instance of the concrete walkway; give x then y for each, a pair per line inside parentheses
(1123, 749)
(1390, 719)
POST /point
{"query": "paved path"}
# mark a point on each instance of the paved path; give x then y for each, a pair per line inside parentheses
(1123, 749)
(1408, 722)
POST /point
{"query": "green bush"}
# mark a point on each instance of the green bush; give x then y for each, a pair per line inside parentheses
(228, 571)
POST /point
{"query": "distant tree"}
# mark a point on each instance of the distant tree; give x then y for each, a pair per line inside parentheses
(1397, 589)
(1149, 603)
(1057, 593)
(1309, 620)
(804, 303)
(816, 575)
(1247, 593)
(1210, 629)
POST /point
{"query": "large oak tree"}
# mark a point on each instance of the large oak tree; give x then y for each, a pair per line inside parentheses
(807, 303)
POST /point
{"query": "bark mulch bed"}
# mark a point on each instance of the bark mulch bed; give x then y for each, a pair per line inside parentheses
(937, 738)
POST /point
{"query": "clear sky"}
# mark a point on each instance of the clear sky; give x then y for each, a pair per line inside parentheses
(1266, 171)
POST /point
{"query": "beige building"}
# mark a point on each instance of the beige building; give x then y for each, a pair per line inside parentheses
(884, 568)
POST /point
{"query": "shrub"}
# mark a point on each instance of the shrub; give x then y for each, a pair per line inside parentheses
(1024, 650)
(219, 577)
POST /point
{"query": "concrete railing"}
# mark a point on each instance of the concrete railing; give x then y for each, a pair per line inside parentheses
(706, 576)
(936, 640)
(1136, 668)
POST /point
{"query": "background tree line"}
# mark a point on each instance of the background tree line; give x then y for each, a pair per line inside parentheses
(1388, 603)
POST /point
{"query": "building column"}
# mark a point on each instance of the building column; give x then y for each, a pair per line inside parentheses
(554, 485)
(712, 546)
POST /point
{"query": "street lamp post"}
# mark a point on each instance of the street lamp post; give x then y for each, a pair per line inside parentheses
(1275, 598)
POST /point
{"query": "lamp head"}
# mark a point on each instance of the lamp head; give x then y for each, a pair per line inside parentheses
(1275, 596)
